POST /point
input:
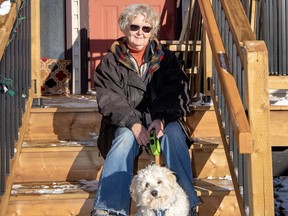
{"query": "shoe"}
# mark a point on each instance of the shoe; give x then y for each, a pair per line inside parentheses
(193, 211)
(100, 212)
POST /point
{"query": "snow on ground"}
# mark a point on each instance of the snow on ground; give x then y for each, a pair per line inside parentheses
(278, 97)
(89, 186)
(73, 101)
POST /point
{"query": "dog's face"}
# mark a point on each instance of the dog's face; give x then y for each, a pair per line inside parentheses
(153, 187)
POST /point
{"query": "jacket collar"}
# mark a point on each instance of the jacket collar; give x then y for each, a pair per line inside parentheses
(153, 54)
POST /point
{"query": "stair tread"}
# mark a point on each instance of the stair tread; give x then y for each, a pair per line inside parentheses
(48, 190)
(86, 189)
(73, 101)
(207, 142)
(60, 143)
(214, 186)
(278, 107)
(76, 145)
(199, 142)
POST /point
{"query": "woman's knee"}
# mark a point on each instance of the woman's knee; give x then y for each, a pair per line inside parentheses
(124, 140)
(173, 128)
(174, 134)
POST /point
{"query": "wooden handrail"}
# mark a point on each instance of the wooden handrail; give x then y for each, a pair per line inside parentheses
(233, 101)
(238, 23)
(6, 26)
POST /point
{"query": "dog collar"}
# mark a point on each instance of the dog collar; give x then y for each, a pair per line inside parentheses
(159, 212)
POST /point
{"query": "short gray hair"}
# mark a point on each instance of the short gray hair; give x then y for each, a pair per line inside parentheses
(133, 10)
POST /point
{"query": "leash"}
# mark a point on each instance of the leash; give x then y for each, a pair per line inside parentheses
(148, 151)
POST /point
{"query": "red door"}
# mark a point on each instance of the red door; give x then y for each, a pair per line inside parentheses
(103, 17)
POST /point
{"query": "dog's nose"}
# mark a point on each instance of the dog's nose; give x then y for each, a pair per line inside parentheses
(154, 193)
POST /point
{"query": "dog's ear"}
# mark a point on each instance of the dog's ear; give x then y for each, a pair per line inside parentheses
(133, 189)
(171, 177)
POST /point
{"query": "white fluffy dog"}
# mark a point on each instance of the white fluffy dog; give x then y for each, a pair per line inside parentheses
(156, 192)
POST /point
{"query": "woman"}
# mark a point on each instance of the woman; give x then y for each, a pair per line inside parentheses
(140, 86)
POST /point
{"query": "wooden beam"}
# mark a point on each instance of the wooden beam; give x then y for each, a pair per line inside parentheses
(278, 82)
(260, 161)
(208, 64)
(35, 48)
(253, 15)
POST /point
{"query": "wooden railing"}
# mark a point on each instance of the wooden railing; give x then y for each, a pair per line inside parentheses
(242, 107)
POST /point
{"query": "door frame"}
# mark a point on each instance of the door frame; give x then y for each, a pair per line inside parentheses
(84, 44)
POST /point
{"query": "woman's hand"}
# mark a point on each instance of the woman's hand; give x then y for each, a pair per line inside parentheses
(141, 134)
(159, 127)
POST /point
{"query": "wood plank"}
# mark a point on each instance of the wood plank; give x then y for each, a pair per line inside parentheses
(203, 124)
(58, 166)
(48, 190)
(207, 163)
(40, 198)
(71, 207)
(278, 108)
(278, 82)
(260, 161)
(63, 125)
(35, 48)
(219, 206)
(279, 127)
(59, 145)
(64, 110)
(207, 143)
(208, 64)
(218, 197)
(215, 187)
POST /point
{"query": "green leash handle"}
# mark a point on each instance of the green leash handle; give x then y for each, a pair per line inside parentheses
(154, 144)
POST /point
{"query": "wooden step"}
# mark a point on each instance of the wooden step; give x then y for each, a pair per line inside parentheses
(208, 158)
(218, 197)
(63, 161)
(50, 198)
(58, 161)
(73, 160)
(62, 123)
(68, 198)
(202, 122)
(279, 125)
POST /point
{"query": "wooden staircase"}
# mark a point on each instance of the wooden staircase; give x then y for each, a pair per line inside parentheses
(60, 150)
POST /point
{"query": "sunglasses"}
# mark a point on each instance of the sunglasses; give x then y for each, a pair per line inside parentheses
(145, 29)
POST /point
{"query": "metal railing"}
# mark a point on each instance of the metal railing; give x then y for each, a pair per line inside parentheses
(269, 22)
(15, 82)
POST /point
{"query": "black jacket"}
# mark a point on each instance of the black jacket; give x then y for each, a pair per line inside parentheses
(123, 95)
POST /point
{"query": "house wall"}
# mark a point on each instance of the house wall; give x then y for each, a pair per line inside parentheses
(52, 30)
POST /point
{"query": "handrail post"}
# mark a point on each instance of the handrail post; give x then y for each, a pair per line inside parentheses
(261, 200)
(35, 48)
